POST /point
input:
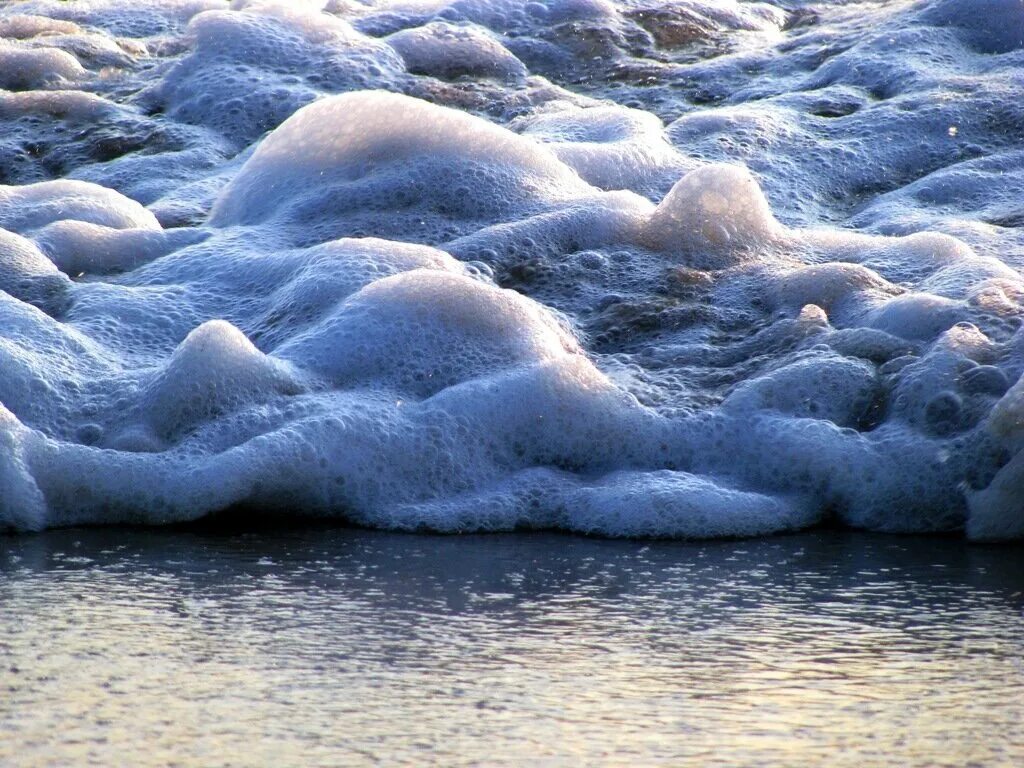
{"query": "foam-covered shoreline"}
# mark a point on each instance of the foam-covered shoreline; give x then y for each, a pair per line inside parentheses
(474, 266)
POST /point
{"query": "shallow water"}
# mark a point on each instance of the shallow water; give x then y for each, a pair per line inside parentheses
(335, 646)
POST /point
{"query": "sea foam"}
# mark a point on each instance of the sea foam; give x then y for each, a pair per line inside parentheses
(680, 269)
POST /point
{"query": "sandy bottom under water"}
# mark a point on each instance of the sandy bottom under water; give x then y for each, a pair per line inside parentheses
(335, 646)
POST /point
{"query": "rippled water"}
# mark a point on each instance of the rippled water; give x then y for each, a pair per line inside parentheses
(320, 647)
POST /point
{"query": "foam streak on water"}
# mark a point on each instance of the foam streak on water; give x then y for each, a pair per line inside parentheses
(685, 269)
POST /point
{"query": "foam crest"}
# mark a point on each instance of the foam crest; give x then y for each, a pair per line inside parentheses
(28, 275)
(609, 147)
(843, 291)
(215, 370)
(680, 505)
(250, 70)
(139, 19)
(423, 330)
(714, 208)
(989, 26)
(448, 51)
(384, 152)
(836, 389)
(32, 206)
(77, 105)
(80, 247)
(22, 26)
(22, 505)
(24, 68)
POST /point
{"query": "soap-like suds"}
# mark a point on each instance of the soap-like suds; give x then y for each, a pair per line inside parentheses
(633, 268)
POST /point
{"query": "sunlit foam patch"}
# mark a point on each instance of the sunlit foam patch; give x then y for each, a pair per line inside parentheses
(380, 159)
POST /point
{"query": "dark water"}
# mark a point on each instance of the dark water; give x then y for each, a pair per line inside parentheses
(326, 647)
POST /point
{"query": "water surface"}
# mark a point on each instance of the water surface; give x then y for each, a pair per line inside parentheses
(335, 646)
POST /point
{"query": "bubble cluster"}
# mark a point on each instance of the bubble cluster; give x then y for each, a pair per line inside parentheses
(640, 268)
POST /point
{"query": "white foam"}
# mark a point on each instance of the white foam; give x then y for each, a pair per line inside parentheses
(22, 26)
(716, 208)
(24, 68)
(990, 26)
(423, 330)
(29, 207)
(447, 50)
(610, 147)
(79, 247)
(60, 104)
(212, 372)
(386, 152)
(249, 70)
(631, 269)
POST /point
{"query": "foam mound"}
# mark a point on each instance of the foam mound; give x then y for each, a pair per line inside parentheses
(32, 206)
(381, 154)
(249, 70)
(717, 207)
(450, 51)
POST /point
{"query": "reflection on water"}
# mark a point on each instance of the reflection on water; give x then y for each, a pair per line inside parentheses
(333, 646)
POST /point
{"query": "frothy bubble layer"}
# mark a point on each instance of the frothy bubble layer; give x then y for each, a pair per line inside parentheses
(641, 268)
(383, 156)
